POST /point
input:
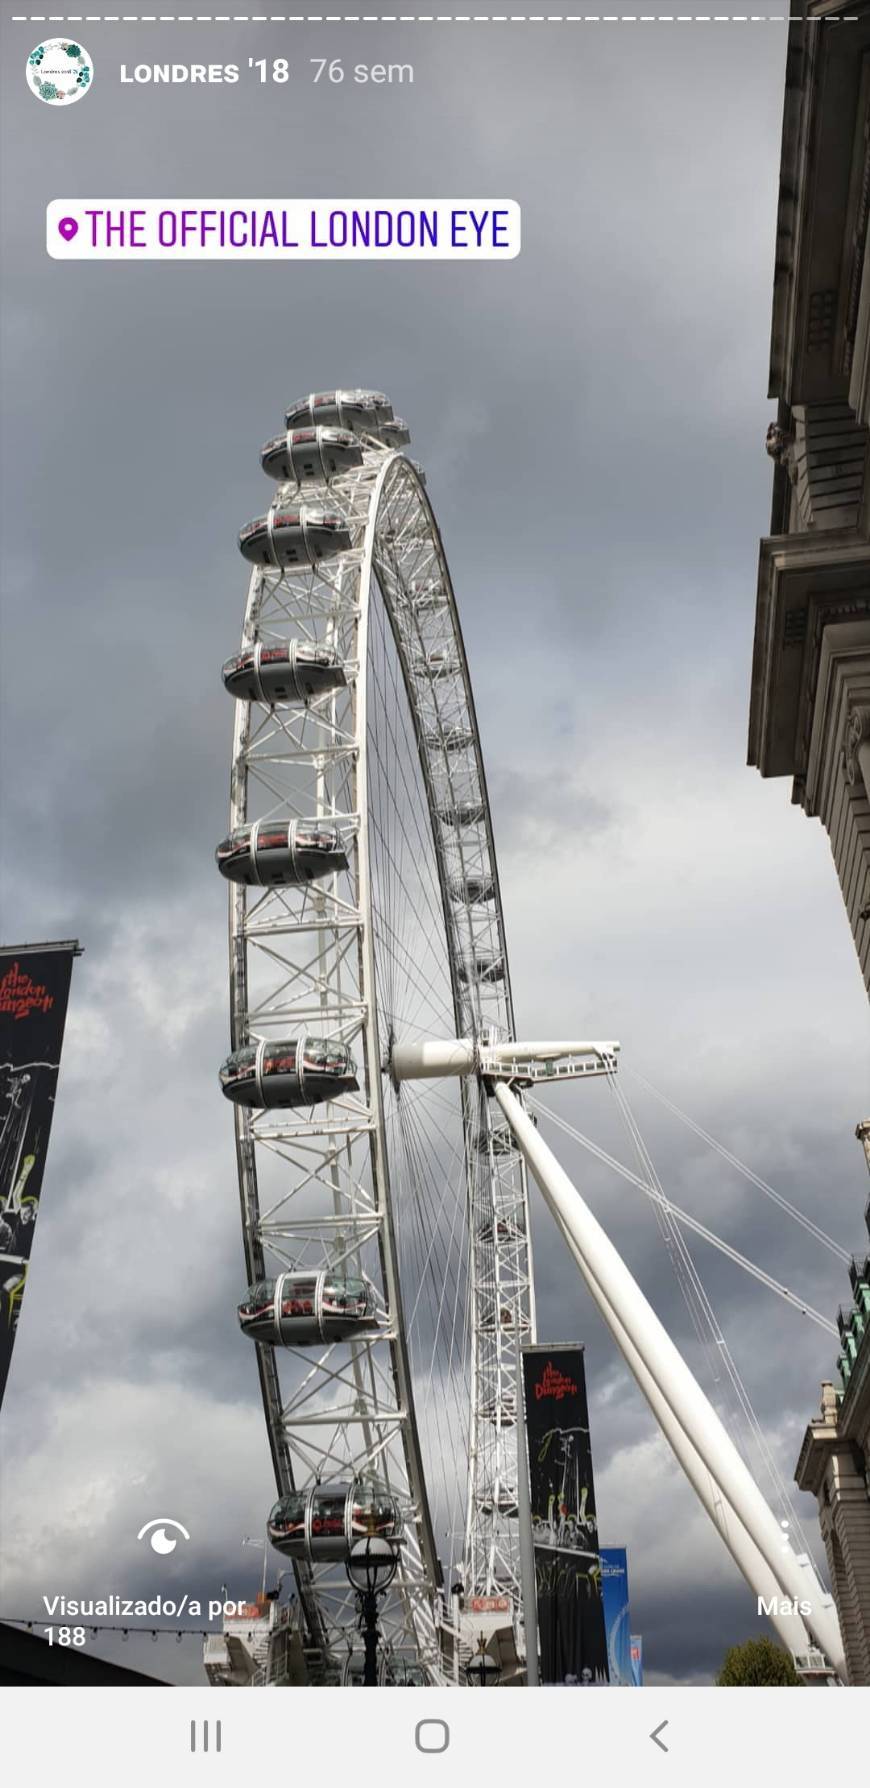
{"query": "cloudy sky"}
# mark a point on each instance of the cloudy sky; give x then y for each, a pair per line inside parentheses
(592, 419)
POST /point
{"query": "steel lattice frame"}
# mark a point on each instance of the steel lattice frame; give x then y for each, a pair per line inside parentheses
(318, 1186)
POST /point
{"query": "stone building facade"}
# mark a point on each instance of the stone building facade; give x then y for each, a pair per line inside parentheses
(834, 1465)
(810, 703)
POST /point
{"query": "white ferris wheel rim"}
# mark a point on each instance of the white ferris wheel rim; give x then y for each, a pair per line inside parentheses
(377, 574)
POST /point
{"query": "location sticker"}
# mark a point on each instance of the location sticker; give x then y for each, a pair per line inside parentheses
(283, 229)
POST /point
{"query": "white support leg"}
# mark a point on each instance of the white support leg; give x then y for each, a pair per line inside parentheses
(731, 1531)
(632, 1319)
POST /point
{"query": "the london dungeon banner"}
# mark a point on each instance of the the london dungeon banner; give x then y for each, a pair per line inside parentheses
(571, 1626)
(34, 986)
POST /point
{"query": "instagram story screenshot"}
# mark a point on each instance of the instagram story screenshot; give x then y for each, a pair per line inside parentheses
(435, 891)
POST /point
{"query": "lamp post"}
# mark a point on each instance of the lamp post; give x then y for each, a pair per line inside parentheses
(482, 1670)
(370, 1568)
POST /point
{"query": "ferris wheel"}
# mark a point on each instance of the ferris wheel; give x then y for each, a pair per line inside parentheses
(385, 1220)
(376, 1081)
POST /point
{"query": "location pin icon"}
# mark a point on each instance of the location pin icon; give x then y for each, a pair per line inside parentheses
(68, 228)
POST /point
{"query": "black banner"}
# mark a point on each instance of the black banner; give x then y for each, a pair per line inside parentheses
(571, 1629)
(34, 986)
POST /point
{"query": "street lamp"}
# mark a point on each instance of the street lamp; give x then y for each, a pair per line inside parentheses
(370, 1568)
(482, 1670)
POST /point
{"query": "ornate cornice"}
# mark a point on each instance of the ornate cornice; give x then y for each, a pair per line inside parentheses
(806, 583)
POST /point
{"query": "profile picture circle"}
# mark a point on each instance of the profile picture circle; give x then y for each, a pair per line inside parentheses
(59, 71)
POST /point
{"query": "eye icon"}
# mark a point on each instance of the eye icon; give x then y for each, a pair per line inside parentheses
(160, 1539)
